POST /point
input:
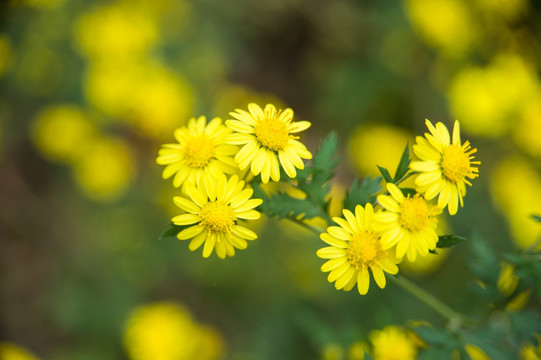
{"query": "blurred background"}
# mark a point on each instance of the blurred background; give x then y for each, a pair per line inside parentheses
(90, 89)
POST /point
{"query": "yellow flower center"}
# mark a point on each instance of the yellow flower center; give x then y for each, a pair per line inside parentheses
(217, 216)
(272, 133)
(414, 213)
(363, 248)
(198, 151)
(455, 163)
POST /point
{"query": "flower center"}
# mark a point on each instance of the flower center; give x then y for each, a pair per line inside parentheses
(363, 248)
(272, 133)
(455, 163)
(414, 213)
(198, 151)
(217, 216)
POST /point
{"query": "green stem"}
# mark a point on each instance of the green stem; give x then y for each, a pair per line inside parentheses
(455, 318)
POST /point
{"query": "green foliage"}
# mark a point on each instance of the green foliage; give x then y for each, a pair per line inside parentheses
(446, 241)
(172, 231)
(385, 173)
(536, 217)
(313, 180)
(362, 194)
(401, 172)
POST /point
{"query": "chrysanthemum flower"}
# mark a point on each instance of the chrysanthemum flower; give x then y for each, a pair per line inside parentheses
(201, 152)
(214, 208)
(354, 249)
(445, 167)
(267, 137)
(409, 223)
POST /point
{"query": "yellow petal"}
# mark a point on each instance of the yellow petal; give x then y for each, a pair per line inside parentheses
(190, 232)
(186, 205)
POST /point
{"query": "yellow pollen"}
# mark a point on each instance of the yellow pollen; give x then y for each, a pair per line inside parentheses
(455, 163)
(363, 249)
(272, 133)
(414, 213)
(217, 216)
(198, 151)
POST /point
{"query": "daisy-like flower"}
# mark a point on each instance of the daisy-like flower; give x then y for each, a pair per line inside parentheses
(354, 249)
(444, 167)
(409, 223)
(201, 152)
(214, 208)
(267, 137)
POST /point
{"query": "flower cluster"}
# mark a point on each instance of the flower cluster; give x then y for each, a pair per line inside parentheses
(404, 221)
(209, 166)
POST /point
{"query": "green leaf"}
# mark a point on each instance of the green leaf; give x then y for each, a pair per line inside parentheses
(536, 217)
(408, 191)
(403, 165)
(284, 206)
(446, 241)
(362, 194)
(172, 231)
(388, 178)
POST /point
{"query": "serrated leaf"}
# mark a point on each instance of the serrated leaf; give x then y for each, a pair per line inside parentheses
(386, 175)
(403, 165)
(536, 217)
(362, 194)
(445, 241)
(172, 231)
(283, 205)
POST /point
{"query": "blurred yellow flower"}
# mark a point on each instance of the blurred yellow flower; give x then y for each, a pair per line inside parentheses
(332, 351)
(392, 343)
(166, 331)
(488, 100)
(516, 189)
(62, 133)
(508, 9)
(5, 54)
(152, 97)
(519, 301)
(507, 280)
(527, 130)
(475, 353)
(389, 141)
(354, 249)
(266, 136)
(446, 25)
(105, 170)
(10, 351)
(201, 153)
(530, 351)
(409, 223)
(215, 207)
(444, 166)
(357, 350)
(115, 31)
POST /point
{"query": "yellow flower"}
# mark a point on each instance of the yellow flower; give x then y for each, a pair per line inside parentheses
(392, 343)
(409, 223)
(475, 353)
(507, 280)
(266, 136)
(355, 248)
(445, 167)
(9, 351)
(201, 153)
(530, 351)
(166, 331)
(215, 208)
